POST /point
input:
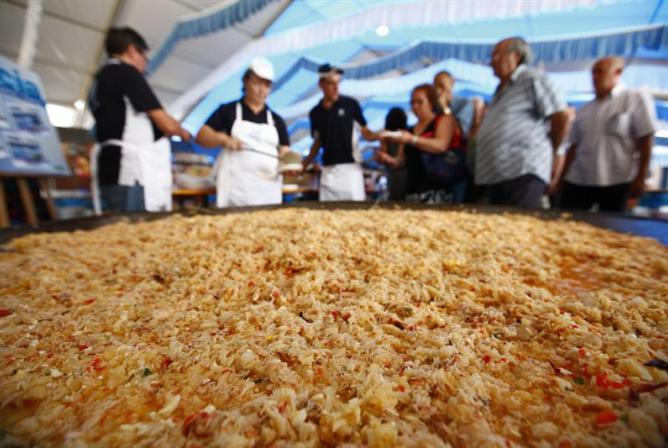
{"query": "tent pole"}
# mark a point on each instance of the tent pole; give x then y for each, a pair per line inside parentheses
(99, 56)
(30, 33)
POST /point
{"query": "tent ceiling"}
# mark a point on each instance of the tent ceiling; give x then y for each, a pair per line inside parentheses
(71, 38)
(202, 71)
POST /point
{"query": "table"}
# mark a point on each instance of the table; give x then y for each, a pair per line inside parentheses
(200, 195)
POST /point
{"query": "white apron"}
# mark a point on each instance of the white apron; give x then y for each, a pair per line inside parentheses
(150, 166)
(248, 177)
(342, 182)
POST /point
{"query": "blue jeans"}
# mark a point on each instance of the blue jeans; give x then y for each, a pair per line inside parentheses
(458, 191)
(121, 198)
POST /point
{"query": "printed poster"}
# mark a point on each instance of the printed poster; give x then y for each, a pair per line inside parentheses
(29, 144)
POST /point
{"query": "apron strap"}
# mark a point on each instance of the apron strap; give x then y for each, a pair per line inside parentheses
(116, 142)
(94, 185)
(238, 115)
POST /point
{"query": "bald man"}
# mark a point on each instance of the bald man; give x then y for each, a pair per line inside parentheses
(611, 141)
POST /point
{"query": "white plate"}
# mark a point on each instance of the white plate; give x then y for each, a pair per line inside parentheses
(290, 187)
(290, 167)
(391, 134)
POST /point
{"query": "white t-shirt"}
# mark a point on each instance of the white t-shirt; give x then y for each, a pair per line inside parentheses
(605, 132)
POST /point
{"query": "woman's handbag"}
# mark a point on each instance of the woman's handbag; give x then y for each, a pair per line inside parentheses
(447, 168)
(450, 167)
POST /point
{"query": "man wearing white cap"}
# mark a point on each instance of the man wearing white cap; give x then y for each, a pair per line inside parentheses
(253, 138)
(333, 123)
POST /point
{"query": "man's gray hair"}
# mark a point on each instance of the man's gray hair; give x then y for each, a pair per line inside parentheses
(522, 47)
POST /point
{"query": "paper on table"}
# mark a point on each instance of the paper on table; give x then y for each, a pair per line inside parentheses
(289, 167)
(391, 134)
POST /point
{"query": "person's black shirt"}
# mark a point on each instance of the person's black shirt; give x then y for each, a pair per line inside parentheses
(223, 119)
(115, 82)
(334, 127)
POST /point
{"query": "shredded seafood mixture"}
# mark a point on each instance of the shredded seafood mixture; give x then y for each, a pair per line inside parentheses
(310, 328)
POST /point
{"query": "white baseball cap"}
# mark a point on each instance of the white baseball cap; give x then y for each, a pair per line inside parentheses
(262, 68)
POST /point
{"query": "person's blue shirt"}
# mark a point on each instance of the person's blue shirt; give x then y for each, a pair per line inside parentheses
(463, 110)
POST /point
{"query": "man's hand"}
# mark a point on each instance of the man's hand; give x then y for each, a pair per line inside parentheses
(644, 145)
(380, 156)
(556, 179)
(369, 135)
(555, 186)
(167, 124)
(233, 144)
(402, 136)
(637, 187)
(186, 136)
(210, 138)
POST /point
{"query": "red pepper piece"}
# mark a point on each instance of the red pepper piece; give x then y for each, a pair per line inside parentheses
(96, 365)
(166, 361)
(602, 380)
(187, 423)
(190, 423)
(606, 417)
(4, 312)
(585, 370)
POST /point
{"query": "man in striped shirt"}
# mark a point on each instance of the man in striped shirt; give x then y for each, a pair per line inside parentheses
(521, 132)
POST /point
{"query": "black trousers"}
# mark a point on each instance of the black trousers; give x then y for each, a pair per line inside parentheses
(581, 197)
(524, 191)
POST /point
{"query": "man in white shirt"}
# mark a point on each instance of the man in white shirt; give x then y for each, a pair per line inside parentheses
(611, 141)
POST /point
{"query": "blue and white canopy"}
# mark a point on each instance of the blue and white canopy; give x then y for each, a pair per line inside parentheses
(420, 38)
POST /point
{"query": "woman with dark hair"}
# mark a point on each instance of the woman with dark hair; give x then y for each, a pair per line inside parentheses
(395, 120)
(426, 150)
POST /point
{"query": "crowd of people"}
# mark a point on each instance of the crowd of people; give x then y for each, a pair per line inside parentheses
(524, 145)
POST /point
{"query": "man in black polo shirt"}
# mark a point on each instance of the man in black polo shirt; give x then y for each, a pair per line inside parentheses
(333, 123)
(130, 123)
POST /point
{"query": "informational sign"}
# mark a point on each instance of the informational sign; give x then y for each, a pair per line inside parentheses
(29, 144)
